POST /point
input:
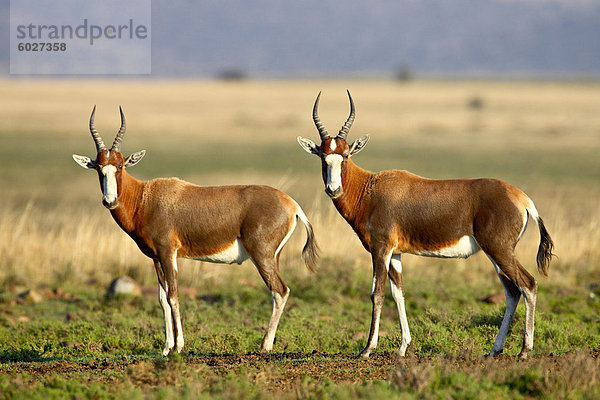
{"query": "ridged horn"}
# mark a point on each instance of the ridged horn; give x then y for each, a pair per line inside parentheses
(117, 143)
(348, 124)
(97, 139)
(322, 131)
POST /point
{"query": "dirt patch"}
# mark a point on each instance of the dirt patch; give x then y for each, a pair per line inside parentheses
(59, 367)
(284, 372)
(278, 372)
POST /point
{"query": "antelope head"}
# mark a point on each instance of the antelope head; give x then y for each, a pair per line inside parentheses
(109, 163)
(333, 151)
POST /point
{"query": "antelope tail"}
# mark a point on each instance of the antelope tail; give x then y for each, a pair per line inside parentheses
(544, 254)
(310, 252)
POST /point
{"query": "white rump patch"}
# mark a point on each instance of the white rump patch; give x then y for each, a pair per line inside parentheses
(233, 254)
(530, 211)
(464, 248)
(109, 183)
(525, 220)
(287, 236)
(334, 171)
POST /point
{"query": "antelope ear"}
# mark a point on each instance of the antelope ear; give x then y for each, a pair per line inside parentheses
(134, 158)
(84, 161)
(308, 145)
(358, 144)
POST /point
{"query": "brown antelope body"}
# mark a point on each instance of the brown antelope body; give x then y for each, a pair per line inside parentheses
(170, 218)
(395, 212)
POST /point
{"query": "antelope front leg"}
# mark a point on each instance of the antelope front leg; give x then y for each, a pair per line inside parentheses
(170, 270)
(167, 313)
(397, 289)
(380, 262)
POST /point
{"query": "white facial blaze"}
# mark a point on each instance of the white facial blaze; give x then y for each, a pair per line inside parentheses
(109, 183)
(334, 171)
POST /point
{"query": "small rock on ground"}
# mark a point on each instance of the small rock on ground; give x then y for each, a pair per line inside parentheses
(495, 298)
(123, 285)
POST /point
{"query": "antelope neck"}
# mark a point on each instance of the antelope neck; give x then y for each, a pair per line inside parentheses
(355, 181)
(129, 198)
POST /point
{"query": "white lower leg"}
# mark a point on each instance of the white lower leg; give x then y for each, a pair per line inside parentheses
(529, 297)
(374, 333)
(179, 339)
(169, 341)
(398, 295)
(278, 306)
(374, 338)
(175, 308)
(511, 305)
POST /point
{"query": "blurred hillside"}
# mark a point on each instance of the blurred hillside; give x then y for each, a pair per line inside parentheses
(315, 38)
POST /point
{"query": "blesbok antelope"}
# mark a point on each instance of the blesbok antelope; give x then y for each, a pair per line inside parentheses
(170, 218)
(395, 212)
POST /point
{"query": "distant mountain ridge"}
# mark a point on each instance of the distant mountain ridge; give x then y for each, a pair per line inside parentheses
(316, 38)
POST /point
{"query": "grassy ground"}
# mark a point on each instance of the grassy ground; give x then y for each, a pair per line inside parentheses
(56, 238)
(77, 343)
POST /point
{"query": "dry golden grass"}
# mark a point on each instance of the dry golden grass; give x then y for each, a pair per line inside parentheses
(543, 137)
(566, 113)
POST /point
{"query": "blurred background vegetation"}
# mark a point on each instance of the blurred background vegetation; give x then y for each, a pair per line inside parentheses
(502, 88)
(541, 137)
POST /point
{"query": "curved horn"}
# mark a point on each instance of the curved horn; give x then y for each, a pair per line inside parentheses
(97, 139)
(348, 124)
(322, 131)
(117, 143)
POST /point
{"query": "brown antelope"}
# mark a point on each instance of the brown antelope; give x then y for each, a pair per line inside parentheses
(169, 218)
(395, 212)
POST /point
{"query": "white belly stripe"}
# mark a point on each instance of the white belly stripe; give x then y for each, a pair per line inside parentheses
(233, 254)
(465, 247)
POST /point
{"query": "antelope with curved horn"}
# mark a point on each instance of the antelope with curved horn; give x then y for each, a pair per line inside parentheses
(395, 212)
(170, 218)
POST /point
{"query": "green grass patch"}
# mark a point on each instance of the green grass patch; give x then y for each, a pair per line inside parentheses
(111, 348)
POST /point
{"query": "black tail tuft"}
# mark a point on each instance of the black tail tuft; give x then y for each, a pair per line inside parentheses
(544, 255)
